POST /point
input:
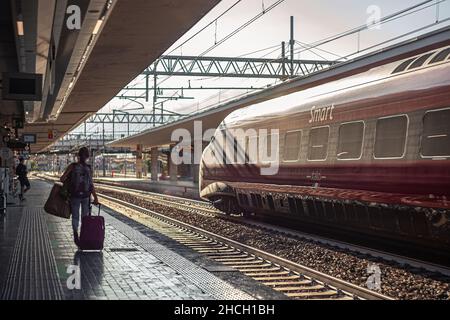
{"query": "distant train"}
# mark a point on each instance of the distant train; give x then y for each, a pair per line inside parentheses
(369, 153)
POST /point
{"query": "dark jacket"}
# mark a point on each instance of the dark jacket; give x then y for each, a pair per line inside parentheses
(21, 171)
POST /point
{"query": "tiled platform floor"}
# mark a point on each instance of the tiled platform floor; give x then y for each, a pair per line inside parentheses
(37, 250)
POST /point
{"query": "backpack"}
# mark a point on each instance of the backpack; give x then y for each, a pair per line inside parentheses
(81, 181)
(21, 170)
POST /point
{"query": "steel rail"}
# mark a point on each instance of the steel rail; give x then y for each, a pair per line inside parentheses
(347, 288)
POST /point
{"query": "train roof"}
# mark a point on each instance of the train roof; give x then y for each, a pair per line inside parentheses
(352, 88)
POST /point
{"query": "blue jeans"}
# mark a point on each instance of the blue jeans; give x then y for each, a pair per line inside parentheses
(75, 204)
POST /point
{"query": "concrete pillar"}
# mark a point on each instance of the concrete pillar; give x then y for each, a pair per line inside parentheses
(155, 165)
(173, 168)
(196, 162)
(194, 166)
(196, 172)
(139, 162)
(104, 165)
(144, 165)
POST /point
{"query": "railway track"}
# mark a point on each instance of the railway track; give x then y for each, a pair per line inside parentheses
(202, 208)
(193, 206)
(206, 209)
(207, 241)
(292, 279)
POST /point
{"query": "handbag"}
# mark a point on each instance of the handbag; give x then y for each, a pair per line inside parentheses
(65, 189)
(56, 204)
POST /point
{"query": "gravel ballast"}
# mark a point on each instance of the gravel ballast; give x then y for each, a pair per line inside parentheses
(397, 281)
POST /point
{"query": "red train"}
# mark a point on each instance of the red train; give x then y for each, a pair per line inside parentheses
(369, 153)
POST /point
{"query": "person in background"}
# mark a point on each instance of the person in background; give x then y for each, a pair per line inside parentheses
(21, 172)
(79, 178)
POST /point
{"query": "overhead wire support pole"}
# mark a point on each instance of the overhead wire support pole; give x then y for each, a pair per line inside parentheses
(437, 11)
(113, 123)
(155, 89)
(292, 44)
(103, 151)
(283, 57)
(146, 88)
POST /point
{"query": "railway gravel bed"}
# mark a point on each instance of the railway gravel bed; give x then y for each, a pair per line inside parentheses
(396, 280)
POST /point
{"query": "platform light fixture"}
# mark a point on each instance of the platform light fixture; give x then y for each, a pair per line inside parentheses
(20, 30)
(97, 27)
(96, 30)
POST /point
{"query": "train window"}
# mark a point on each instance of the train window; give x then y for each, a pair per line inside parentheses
(421, 60)
(292, 142)
(318, 144)
(441, 56)
(436, 134)
(390, 139)
(402, 67)
(350, 141)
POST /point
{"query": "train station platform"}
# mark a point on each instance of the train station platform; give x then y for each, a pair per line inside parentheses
(39, 261)
(187, 189)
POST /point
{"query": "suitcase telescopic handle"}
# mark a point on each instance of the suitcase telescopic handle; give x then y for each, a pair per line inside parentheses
(90, 209)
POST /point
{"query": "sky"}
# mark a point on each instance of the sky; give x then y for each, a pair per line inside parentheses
(314, 21)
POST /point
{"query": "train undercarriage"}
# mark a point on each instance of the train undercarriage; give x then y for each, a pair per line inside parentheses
(419, 227)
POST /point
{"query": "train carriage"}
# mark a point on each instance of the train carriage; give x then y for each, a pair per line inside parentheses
(369, 154)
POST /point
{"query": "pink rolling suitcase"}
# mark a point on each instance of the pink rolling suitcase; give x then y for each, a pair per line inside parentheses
(92, 233)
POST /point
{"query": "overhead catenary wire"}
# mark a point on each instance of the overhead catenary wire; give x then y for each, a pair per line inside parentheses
(230, 35)
(395, 16)
(401, 36)
(277, 48)
(392, 17)
(258, 51)
(214, 21)
(242, 27)
(304, 44)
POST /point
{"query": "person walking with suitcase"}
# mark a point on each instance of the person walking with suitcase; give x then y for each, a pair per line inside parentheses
(21, 172)
(78, 176)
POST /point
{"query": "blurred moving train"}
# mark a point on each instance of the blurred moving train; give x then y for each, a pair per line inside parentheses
(369, 154)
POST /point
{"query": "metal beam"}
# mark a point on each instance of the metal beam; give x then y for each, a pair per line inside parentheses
(193, 88)
(234, 67)
(130, 118)
(406, 49)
